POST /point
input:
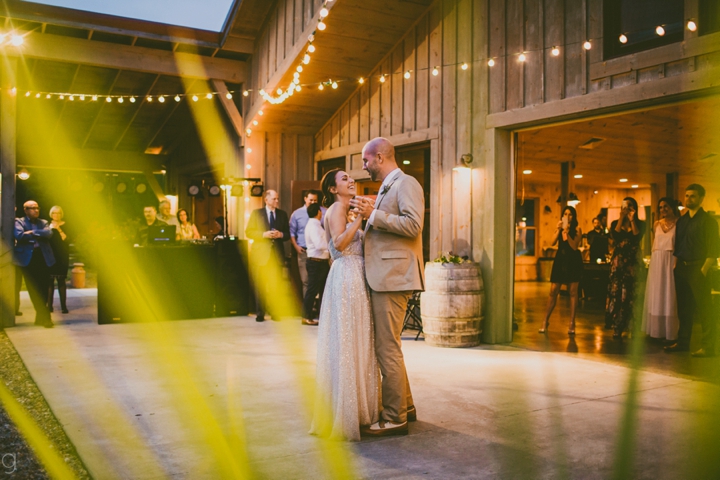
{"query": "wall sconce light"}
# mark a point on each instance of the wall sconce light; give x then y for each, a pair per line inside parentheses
(463, 162)
(23, 174)
(257, 190)
(573, 200)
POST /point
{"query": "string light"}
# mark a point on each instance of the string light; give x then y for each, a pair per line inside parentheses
(16, 40)
(435, 71)
(149, 98)
(522, 57)
(691, 25)
(361, 80)
(324, 12)
(177, 98)
(306, 59)
(382, 78)
(407, 75)
(660, 30)
(121, 100)
(555, 51)
(464, 66)
(27, 94)
(321, 87)
(249, 150)
(209, 96)
(48, 96)
(334, 85)
(108, 99)
(491, 63)
(255, 122)
(95, 97)
(321, 26)
(248, 131)
(37, 95)
(82, 98)
(623, 38)
(298, 88)
(132, 99)
(587, 45)
(246, 93)
(311, 48)
(161, 99)
(228, 96)
(261, 113)
(299, 68)
(195, 98)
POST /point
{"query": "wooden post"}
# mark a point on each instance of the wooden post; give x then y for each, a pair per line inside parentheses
(8, 165)
(564, 183)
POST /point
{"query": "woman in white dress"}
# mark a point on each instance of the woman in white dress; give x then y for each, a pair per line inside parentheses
(660, 318)
(347, 370)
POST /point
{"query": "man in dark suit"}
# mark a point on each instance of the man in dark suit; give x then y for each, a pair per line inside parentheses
(268, 228)
(34, 255)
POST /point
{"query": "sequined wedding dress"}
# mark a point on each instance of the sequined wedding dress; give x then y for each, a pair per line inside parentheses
(347, 370)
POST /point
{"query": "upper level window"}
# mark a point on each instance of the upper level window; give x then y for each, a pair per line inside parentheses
(635, 25)
(709, 13)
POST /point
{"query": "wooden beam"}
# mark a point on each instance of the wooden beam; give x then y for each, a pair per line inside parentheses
(137, 111)
(33, 156)
(397, 140)
(164, 121)
(230, 109)
(100, 110)
(8, 153)
(124, 57)
(239, 45)
(154, 185)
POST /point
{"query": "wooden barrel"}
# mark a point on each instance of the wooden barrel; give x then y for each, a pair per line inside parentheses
(452, 304)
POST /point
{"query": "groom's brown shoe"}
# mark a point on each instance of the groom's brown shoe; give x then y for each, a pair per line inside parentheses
(411, 414)
(385, 429)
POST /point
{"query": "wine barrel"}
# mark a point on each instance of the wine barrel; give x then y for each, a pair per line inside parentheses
(452, 304)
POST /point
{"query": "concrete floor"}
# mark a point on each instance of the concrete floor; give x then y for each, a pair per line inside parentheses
(195, 399)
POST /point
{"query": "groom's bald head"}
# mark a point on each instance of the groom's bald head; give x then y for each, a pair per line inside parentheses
(379, 158)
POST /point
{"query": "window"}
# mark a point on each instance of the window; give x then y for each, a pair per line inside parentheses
(709, 13)
(526, 227)
(325, 166)
(637, 21)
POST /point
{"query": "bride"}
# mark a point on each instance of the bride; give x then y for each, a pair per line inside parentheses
(347, 370)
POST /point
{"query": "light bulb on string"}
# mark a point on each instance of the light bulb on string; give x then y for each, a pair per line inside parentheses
(48, 96)
(407, 75)
(209, 96)
(660, 30)
(228, 95)
(311, 37)
(382, 78)
(464, 66)
(321, 87)
(435, 71)
(298, 88)
(82, 98)
(245, 93)
(691, 25)
(306, 59)
(311, 48)
(249, 150)
(37, 95)
(334, 85)
(132, 99)
(161, 99)
(279, 91)
(72, 98)
(108, 99)
(255, 122)
(296, 75)
(491, 62)
(299, 68)
(522, 57)
(555, 51)
(261, 113)
(27, 94)
(587, 45)
(623, 38)
(361, 80)
(177, 98)
(194, 98)
(324, 12)
(321, 26)
(248, 131)
(121, 100)
(62, 97)
(149, 98)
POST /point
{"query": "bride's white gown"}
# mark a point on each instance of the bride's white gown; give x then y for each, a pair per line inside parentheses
(347, 370)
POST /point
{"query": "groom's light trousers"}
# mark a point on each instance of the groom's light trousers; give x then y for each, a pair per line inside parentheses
(388, 314)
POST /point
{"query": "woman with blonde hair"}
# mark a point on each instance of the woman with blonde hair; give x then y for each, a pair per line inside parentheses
(60, 246)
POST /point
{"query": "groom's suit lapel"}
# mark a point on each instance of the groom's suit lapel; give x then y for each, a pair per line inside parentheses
(381, 198)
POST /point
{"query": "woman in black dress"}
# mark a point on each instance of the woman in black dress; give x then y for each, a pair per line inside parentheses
(626, 234)
(59, 242)
(567, 267)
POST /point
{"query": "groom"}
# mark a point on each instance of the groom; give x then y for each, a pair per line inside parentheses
(393, 267)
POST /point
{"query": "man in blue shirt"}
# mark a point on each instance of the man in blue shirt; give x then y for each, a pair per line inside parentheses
(298, 220)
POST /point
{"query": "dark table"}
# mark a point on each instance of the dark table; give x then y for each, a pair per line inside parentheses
(183, 281)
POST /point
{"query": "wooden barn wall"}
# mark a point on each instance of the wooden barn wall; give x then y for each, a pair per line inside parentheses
(286, 28)
(278, 159)
(443, 109)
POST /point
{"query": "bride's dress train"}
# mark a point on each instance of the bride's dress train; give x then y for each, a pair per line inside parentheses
(347, 370)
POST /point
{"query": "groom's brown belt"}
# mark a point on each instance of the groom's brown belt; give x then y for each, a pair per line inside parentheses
(318, 259)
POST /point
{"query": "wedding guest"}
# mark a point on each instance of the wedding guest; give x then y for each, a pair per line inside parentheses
(164, 213)
(220, 227)
(567, 267)
(61, 250)
(151, 220)
(696, 247)
(185, 229)
(660, 319)
(626, 233)
(268, 228)
(318, 265)
(298, 221)
(34, 255)
(598, 241)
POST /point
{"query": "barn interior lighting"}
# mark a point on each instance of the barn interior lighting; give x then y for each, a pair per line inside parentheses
(195, 98)
(306, 59)
(16, 40)
(623, 38)
(324, 12)
(555, 51)
(311, 48)
(120, 100)
(255, 123)
(691, 25)
(132, 99)
(522, 57)
(463, 162)
(161, 99)
(660, 30)
(435, 71)
(634, 186)
(491, 63)
(407, 74)
(177, 98)
(261, 113)
(527, 172)
(149, 98)
(578, 176)
(321, 87)
(228, 96)
(382, 78)
(623, 180)
(108, 99)
(23, 174)
(334, 85)
(321, 26)
(245, 93)
(464, 66)
(587, 45)
(361, 80)
(299, 68)
(573, 199)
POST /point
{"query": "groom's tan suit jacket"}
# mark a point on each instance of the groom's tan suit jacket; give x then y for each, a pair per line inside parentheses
(393, 243)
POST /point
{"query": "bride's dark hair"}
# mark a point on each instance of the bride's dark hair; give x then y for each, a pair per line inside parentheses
(329, 181)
